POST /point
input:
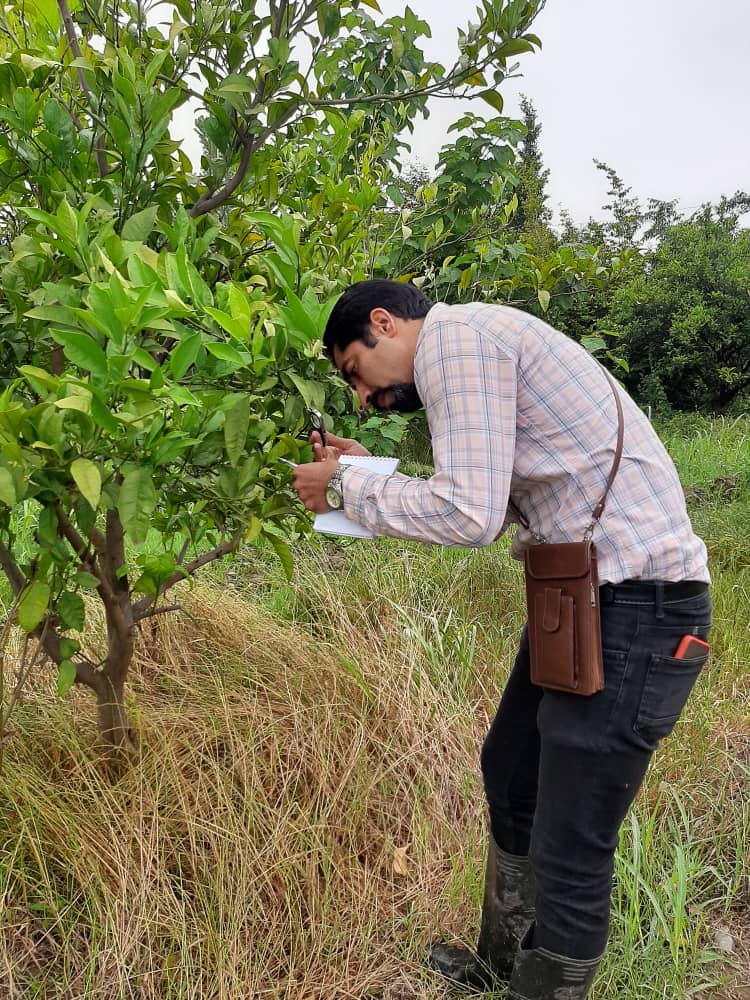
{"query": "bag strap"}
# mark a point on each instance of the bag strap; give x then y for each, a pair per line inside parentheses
(599, 509)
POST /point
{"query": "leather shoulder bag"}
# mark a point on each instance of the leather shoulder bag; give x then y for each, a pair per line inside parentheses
(562, 598)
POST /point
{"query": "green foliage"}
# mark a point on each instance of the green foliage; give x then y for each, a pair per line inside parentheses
(684, 322)
(533, 215)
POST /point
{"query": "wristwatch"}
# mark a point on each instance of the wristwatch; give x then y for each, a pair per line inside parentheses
(335, 490)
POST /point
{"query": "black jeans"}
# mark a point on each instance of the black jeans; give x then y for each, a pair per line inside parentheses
(561, 770)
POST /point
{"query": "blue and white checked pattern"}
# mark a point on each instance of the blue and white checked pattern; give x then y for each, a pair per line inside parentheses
(517, 409)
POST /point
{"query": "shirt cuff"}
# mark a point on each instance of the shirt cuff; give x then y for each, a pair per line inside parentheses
(356, 484)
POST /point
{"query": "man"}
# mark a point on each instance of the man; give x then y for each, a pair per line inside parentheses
(523, 425)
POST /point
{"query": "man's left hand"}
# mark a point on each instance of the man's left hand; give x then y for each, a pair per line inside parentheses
(310, 481)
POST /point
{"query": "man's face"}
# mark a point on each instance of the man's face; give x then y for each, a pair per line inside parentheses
(382, 373)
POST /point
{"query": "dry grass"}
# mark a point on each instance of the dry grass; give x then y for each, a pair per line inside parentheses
(293, 825)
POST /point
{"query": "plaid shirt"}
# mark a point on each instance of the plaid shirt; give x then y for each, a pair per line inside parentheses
(518, 411)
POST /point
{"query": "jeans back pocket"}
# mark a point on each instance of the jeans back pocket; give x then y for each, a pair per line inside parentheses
(666, 688)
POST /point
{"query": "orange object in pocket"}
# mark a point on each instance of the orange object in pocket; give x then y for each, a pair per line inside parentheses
(690, 647)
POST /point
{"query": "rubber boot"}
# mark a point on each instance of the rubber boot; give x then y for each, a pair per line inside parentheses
(539, 974)
(507, 909)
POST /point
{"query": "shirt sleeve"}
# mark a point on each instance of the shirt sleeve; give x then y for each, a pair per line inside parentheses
(468, 387)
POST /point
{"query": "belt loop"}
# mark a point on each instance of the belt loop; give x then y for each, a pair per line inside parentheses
(659, 599)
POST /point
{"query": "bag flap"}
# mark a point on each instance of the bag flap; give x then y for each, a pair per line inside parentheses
(560, 561)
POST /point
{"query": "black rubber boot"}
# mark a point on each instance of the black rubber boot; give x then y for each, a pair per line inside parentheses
(506, 912)
(539, 974)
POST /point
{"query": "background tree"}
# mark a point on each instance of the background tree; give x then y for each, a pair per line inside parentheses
(533, 216)
(684, 322)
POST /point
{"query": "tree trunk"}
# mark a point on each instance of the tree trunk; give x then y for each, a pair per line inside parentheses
(118, 737)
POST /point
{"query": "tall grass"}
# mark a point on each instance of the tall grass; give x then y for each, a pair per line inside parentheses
(308, 812)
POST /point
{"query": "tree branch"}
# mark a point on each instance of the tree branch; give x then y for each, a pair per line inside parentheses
(141, 608)
(15, 577)
(70, 32)
(165, 609)
(205, 204)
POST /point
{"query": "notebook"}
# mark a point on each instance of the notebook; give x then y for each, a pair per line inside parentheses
(335, 522)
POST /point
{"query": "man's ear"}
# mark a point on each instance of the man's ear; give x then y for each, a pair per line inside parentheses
(382, 323)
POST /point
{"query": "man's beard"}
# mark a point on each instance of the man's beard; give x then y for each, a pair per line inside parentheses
(405, 398)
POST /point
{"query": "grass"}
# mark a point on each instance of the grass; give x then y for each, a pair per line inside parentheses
(308, 811)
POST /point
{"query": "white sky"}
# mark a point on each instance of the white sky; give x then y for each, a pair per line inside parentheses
(658, 89)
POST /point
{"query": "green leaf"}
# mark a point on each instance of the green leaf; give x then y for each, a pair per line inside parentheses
(26, 109)
(80, 403)
(237, 328)
(139, 226)
(136, 503)
(88, 479)
(71, 611)
(66, 675)
(234, 84)
(67, 223)
(33, 374)
(312, 392)
(33, 605)
(43, 13)
(83, 351)
(284, 553)
(7, 488)
(593, 344)
(514, 47)
(226, 353)
(329, 19)
(493, 98)
(86, 581)
(236, 423)
(544, 298)
(184, 355)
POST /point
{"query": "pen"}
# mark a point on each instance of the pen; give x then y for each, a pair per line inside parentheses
(286, 461)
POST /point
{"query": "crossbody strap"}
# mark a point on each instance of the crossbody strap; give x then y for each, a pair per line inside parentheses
(599, 509)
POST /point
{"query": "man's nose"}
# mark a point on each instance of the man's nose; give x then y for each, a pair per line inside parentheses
(363, 392)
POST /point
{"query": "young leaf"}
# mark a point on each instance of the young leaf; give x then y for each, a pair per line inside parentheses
(544, 298)
(184, 355)
(33, 605)
(82, 351)
(88, 479)
(7, 487)
(226, 353)
(493, 98)
(236, 423)
(136, 503)
(138, 227)
(71, 611)
(66, 675)
(284, 553)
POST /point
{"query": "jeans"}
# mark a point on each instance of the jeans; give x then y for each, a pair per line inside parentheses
(561, 770)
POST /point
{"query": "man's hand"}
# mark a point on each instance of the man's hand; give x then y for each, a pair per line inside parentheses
(310, 481)
(336, 446)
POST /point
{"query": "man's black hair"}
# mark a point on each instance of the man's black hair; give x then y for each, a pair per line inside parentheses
(350, 318)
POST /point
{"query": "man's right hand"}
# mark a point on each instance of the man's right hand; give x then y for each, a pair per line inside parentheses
(336, 447)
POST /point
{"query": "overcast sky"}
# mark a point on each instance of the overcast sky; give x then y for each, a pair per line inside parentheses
(659, 89)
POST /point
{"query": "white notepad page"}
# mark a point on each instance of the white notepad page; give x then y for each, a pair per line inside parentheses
(335, 522)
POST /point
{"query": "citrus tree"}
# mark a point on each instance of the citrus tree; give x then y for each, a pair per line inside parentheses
(161, 326)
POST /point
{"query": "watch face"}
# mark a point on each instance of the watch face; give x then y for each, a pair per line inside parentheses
(334, 499)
